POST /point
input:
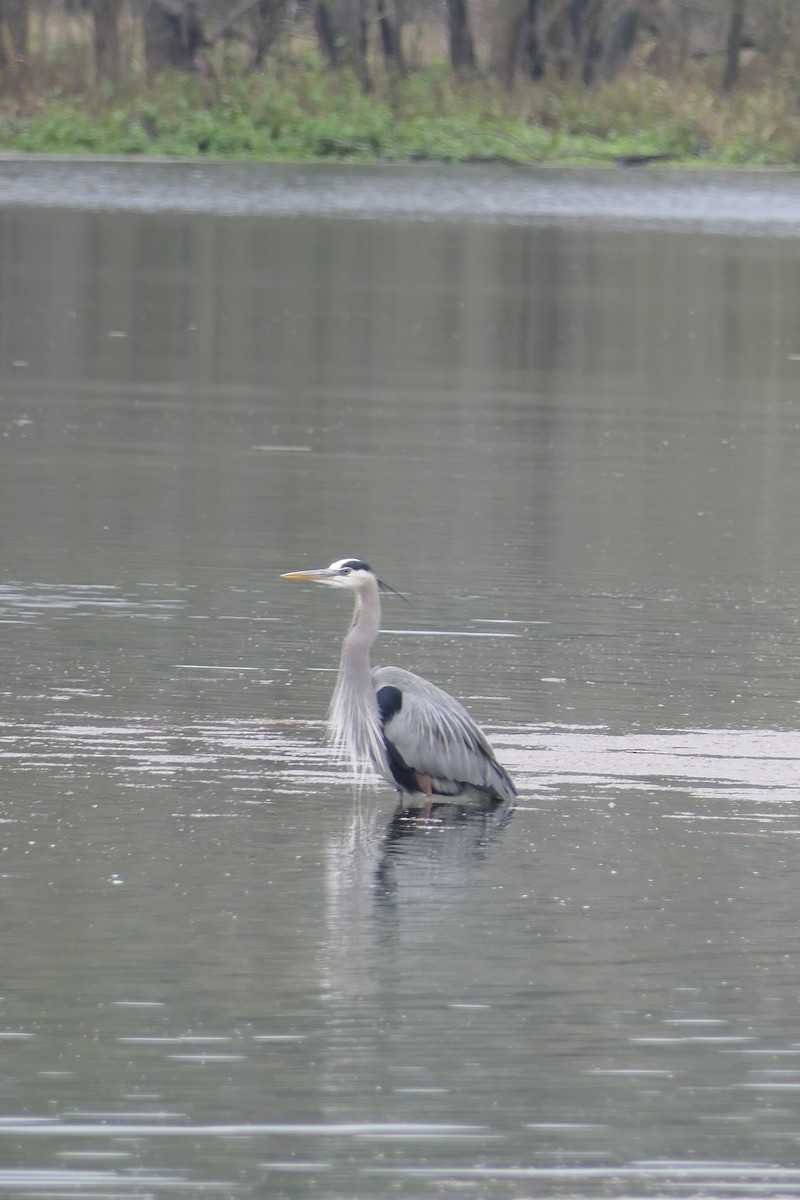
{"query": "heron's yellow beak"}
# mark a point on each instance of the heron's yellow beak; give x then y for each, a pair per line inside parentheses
(323, 575)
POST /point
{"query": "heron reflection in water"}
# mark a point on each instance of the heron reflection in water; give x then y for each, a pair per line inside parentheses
(385, 719)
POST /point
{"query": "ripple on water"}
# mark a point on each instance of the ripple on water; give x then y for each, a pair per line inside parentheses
(758, 766)
(29, 602)
(736, 775)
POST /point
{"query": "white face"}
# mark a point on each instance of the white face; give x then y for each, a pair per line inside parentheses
(347, 573)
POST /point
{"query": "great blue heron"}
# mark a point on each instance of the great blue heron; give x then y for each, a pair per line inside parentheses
(420, 739)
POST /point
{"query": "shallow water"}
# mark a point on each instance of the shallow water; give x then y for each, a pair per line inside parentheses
(569, 434)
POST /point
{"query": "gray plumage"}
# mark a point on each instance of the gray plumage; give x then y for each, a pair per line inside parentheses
(395, 723)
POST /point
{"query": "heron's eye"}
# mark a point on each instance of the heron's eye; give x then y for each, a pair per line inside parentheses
(345, 571)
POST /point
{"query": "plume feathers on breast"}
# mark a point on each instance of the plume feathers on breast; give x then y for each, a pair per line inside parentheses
(354, 729)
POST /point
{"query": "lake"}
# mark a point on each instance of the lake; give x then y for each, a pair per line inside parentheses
(559, 411)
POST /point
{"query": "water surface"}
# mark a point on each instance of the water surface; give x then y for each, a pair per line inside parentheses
(560, 413)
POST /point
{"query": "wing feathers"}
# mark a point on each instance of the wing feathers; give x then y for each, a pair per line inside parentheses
(435, 735)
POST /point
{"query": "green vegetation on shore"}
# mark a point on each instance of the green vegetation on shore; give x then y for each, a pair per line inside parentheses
(300, 111)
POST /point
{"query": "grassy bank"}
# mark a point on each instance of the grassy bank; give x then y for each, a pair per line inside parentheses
(298, 111)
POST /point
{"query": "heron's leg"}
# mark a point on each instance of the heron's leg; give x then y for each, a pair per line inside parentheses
(424, 784)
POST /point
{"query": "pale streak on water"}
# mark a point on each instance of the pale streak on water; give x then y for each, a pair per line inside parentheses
(576, 450)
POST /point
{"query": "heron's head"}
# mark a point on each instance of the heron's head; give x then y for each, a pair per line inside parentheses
(349, 573)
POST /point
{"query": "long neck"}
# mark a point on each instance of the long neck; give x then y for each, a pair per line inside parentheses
(364, 628)
(354, 720)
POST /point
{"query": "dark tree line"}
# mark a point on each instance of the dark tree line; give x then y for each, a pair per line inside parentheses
(579, 40)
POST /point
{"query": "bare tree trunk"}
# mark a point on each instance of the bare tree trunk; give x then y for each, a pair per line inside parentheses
(326, 36)
(620, 39)
(776, 34)
(390, 28)
(13, 38)
(173, 34)
(733, 41)
(341, 27)
(105, 14)
(266, 19)
(507, 39)
(462, 44)
(584, 20)
(559, 35)
(683, 40)
(14, 24)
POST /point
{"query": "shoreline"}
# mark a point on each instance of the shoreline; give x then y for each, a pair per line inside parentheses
(762, 202)
(690, 166)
